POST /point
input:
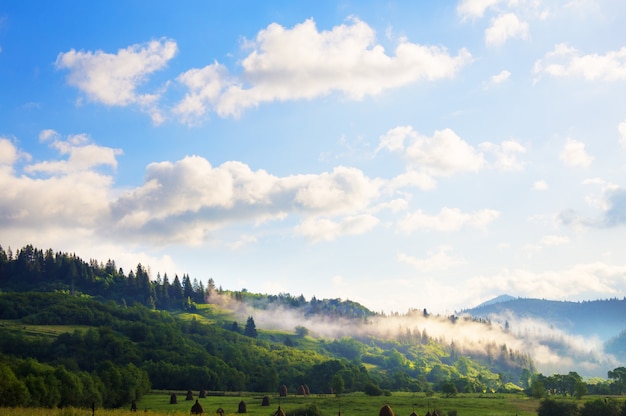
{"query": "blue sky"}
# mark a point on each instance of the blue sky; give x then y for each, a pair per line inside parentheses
(398, 154)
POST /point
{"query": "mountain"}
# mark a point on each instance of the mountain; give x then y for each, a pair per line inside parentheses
(497, 299)
(597, 318)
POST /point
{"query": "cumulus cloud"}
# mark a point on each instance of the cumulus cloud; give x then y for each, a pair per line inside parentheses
(72, 194)
(447, 220)
(443, 154)
(474, 8)
(304, 63)
(181, 201)
(195, 198)
(575, 155)
(82, 155)
(113, 79)
(566, 61)
(506, 154)
(435, 260)
(9, 153)
(504, 27)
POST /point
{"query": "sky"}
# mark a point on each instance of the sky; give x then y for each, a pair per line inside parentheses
(399, 154)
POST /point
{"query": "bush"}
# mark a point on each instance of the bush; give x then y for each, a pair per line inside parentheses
(372, 389)
(310, 410)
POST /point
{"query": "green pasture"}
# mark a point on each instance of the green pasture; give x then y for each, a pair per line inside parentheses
(403, 404)
(40, 330)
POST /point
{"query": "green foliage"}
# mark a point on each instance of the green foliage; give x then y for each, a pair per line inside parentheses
(310, 410)
(449, 389)
(603, 407)
(550, 407)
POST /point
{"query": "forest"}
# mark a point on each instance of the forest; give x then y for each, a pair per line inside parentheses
(74, 333)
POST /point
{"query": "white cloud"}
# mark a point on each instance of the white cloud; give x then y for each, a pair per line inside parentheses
(444, 154)
(504, 27)
(412, 178)
(112, 79)
(82, 155)
(540, 185)
(323, 229)
(8, 152)
(474, 8)
(304, 63)
(448, 220)
(581, 281)
(622, 133)
(188, 199)
(500, 77)
(566, 61)
(435, 260)
(506, 154)
(575, 155)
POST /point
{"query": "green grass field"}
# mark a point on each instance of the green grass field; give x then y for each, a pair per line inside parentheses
(403, 404)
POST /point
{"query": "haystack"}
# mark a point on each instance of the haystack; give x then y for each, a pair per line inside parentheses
(279, 412)
(197, 409)
(202, 394)
(189, 395)
(173, 399)
(266, 401)
(282, 391)
(385, 411)
(242, 407)
(301, 390)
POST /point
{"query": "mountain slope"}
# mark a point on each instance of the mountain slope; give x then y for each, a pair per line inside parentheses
(601, 318)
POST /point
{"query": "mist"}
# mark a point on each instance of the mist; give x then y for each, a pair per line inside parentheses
(551, 349)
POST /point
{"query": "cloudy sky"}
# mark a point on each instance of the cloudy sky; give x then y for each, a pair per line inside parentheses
(400, 154)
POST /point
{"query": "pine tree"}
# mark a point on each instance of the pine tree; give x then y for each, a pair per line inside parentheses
(250, 329)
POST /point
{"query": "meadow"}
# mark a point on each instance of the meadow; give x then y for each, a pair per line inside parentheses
(403, 404)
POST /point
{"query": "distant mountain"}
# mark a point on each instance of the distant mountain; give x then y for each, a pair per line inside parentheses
(497, 299)
(602, 318)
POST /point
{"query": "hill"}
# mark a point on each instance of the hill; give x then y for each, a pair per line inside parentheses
(89, 326)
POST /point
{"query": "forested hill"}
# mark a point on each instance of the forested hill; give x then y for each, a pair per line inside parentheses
(75, 332)
(603, 318)
(33, 269)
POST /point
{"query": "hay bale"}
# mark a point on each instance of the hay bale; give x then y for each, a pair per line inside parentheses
(242, 407)
(197, 409)
(301, 391)
(307, 391)
(266, 401)
(173, 399)
(282, 391)
(385, 411)
(202, 394)
(189, 395)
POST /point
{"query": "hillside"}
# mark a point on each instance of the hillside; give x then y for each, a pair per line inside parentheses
(601, 318)
(90, 326)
